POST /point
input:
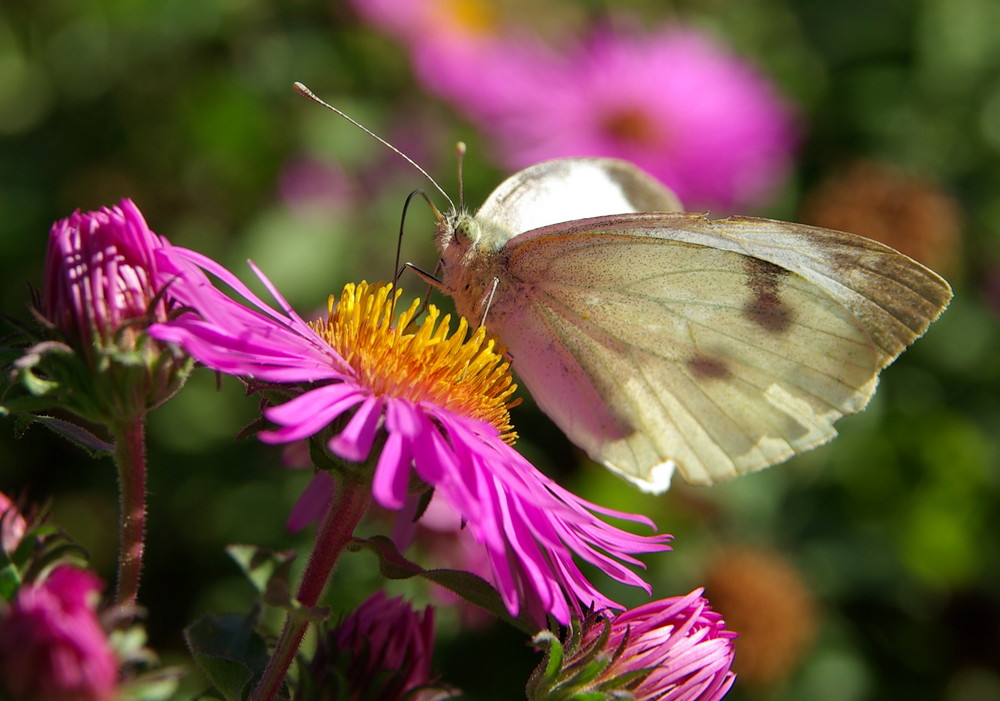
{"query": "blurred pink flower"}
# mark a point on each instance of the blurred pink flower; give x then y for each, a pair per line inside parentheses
(382, 650)
(675, 649)
(675, 103)
(52, 646)
(435, 404)
(12, 524)
(452, 43)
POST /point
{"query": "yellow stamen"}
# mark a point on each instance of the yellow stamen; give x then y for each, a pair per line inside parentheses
(466, 376)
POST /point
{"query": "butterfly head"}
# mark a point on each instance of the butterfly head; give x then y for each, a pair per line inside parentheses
(459, 231)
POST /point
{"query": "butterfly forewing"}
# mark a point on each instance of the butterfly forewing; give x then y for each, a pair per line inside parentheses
(718, 347)
(566, 189)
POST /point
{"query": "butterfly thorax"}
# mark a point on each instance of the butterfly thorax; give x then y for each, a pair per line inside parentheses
(471, 251)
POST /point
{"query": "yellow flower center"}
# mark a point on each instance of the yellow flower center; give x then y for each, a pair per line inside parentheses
(420, 362)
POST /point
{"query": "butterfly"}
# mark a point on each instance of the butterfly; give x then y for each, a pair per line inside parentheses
(662, 341)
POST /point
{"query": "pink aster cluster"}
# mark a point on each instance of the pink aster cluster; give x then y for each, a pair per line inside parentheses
(674, 101)
(52, 645)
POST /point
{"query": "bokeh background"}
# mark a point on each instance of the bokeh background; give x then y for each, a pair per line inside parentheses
(866, 569)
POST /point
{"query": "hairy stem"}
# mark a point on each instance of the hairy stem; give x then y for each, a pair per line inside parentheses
(130, 459)
(333, 534)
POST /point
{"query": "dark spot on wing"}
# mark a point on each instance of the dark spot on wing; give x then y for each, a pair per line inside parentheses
(767, 311)
(704, 367)
(765, 306)
(762, 276)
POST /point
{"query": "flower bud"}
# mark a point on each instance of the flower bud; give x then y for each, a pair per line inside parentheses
(101, 292)
(382, 651)
(52, 646)
(676, 648)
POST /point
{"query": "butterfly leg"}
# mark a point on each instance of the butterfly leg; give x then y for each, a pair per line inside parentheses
(487, 300)
(432, 280)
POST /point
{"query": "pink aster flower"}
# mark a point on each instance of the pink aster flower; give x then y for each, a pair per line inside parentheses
(381, 650)
(675, 103)
(675, 649)
(52, 646)
(436, 406)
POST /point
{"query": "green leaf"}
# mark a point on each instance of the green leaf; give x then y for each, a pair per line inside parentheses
(75, 434)
(270, 573)
(10, 581)
(160, 685)
(263, 567)
(229, 651)
(473, 589)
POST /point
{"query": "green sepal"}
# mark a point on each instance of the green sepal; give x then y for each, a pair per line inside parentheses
(554, 654)
(230, 652)
(546, 675)
(588, 673)
(594, 660)
(627, 679)
(576, 671)
(473, 589)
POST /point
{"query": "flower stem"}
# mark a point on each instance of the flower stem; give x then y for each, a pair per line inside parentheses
(336, 529)
(130, 458)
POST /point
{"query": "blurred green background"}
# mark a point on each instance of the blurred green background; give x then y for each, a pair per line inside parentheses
(867, 569)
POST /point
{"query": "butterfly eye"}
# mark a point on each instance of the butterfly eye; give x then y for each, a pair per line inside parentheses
(467, 230)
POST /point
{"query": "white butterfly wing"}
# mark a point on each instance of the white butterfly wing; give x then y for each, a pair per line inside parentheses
(717, 347)
(565, 189)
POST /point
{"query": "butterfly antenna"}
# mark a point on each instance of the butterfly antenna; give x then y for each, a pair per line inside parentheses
(460, 154)
(306, 92)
